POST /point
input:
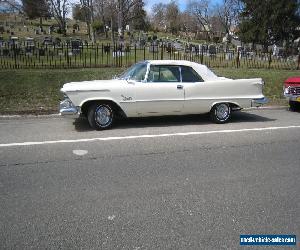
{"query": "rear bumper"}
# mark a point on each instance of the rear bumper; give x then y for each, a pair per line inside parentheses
(259, 101)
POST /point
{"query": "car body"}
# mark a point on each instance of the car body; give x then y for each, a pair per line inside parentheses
(291, 91)
(158, 88)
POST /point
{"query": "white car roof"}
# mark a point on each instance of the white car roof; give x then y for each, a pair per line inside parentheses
(202, 70)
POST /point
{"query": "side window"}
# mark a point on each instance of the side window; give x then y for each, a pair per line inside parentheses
(164, 73)
(190, 75)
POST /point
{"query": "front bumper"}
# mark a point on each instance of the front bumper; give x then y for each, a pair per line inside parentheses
(294, 98)
(259, 101)
(67, 109)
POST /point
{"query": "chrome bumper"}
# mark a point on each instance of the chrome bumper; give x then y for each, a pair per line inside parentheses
(259, 101)
(294, 98)
(66, 109)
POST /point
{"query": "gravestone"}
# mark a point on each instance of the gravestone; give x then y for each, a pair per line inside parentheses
(57, 41)
(153, 48)
(118, 53)
(212, 50)
(47, 41)
(1, 41)
(169, 47)
(106, 49)
(41, 52)
(5, 52)
(229, 55)
(76, 46)
(29, 44)
(14, 41)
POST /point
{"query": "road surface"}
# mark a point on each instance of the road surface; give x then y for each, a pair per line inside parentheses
(159, 183)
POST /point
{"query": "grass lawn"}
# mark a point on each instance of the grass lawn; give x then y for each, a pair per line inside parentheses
(37, 91)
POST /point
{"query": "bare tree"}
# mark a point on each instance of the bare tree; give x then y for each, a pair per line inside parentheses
(166, 16)
(13, 5)
(118, 13)
(201, 11)
(188, 22)
(126, 13)
(88, 7)
(173, 17)
(159, 16)
(59, 9)
(228, 13)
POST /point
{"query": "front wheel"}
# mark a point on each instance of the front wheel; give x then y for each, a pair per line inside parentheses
(220, 113)
(294, 106)
(101, 116)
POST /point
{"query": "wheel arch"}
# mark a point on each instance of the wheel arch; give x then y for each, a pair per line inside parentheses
(87, 103)
(234, 106)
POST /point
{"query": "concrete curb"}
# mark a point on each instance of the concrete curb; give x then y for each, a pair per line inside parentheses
(2, 117)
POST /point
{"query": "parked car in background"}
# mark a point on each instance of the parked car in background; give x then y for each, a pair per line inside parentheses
(292, 92)
(158, 88)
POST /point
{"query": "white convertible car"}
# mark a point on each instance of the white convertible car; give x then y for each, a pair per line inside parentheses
(158, 88)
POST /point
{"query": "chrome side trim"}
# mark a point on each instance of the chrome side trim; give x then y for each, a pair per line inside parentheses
(90, 90)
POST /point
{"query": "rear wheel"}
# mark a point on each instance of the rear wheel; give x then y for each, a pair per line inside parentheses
(101, 116)
(220, 113)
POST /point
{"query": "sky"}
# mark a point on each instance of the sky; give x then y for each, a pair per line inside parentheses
(150, 3)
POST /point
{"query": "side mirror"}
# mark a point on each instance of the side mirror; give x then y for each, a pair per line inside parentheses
(131, 82)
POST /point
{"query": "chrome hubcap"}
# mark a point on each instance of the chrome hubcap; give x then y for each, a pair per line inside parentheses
(222, 111)
(103, 116)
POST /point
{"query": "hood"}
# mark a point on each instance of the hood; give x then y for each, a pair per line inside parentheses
(292, 81)
(92, 85)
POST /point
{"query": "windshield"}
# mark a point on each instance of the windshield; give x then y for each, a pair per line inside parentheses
(137, 72)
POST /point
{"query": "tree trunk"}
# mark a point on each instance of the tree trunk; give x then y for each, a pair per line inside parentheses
(88, 26)
(112, 30)
(120, 19)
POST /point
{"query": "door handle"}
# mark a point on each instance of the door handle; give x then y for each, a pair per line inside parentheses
(179, 87)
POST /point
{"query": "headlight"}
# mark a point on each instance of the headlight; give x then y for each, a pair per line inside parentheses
(287, 90)
(66, 104)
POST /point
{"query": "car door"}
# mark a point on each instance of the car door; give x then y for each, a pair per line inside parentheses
(162, 93)
(195, 91)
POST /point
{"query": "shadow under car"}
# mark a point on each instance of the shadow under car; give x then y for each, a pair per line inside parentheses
(81, 124)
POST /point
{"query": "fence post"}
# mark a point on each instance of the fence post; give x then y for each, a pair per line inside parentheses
(238, 60)
(162, 51)
(201, 59)
(298, 66)
(270, 59)
(135, 53)
(15, 56)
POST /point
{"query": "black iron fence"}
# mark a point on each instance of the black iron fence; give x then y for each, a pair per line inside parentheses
(37, 56)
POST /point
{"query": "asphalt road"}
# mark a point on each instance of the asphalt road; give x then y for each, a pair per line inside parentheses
(160, 183)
